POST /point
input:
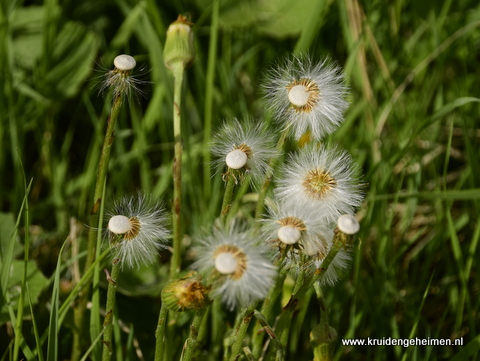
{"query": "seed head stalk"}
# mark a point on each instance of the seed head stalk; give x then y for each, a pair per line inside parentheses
(282, 329)
(322, 334)
(178, 54)
(110, 306)
(268, 176)
(267, 310)
(94, 216)
(160, 332)
(242, 331)
(177, 170)
(192, 339)
(227, 197)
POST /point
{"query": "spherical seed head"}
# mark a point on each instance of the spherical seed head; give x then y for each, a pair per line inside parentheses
(119, 224)
(236, 266)
(303, 95)
(225, 263)
(348, 224)
(236, 159)
(249, 137)
(318, 182)
(289, 235)
(298, 95)
(307, 95)
(136, 229)
(124, 62)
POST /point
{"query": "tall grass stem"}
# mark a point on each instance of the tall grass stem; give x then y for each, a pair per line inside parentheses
(210, 77)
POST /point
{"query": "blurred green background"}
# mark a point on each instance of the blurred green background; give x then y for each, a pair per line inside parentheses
(413, 126)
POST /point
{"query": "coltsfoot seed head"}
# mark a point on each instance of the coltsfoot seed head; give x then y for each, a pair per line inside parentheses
(348, 224)
(225, 263)
(245, 147)
(119, 225)
(289, 234)
(136, 229)
(121, 79)
(307, 95)
(298, 95)
(236, 159)
(124, 62)
(235, 266)
(321, 179)
(294, 230)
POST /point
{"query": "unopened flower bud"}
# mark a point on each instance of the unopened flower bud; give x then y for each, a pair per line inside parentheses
(186, 293)
(179, 49)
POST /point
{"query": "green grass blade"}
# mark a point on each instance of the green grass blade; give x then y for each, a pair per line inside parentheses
(87, 277)
(54, 325)
(21, 301)
(38, 341)
(209, 87)
(417, 318)
(94, 344)
(469, 350)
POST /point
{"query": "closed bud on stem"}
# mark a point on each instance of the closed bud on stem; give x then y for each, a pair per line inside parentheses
(186, 293)
(179, 49)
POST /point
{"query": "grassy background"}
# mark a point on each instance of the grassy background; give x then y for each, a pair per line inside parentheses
(413, 127)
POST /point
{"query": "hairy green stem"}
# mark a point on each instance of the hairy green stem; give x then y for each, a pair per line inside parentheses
(268, 329)
(79, 313)
(160, 332)
(283, 325)
(178, 71)
(228, 196)
(218, 327)
(110, 306)
(241, 331)
(267, 311)
(192, 339)
(268, 176)
(322, 334)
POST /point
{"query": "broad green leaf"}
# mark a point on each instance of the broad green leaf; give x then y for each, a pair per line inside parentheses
(7, 226)
(36, 282)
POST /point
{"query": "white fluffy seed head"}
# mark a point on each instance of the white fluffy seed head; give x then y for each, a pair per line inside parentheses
(226, 263)
(289, 235)
(119, 225)
(124, 62)
(348, 224)
(298, 95)
(236, 159)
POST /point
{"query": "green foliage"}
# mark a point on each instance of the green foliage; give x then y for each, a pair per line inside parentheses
(412, 127)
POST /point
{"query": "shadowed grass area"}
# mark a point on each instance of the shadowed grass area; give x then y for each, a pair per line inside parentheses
(412, 127)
